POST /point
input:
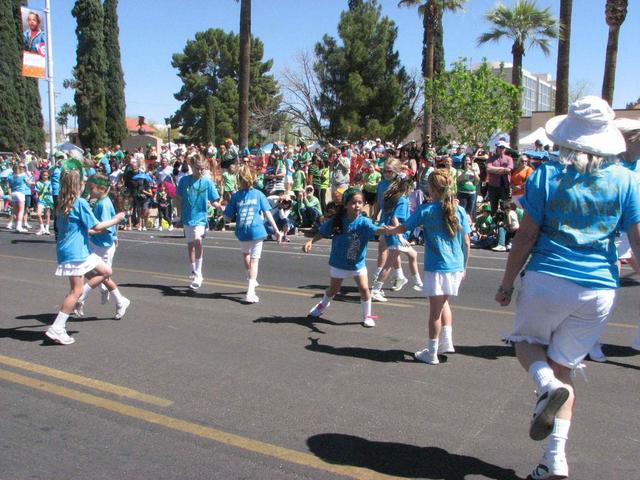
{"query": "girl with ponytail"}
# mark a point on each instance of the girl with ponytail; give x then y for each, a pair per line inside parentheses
(446, 251)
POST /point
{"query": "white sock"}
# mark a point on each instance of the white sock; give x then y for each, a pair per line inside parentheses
(103, 288)
(252, 286)
(416, 279)
(377, 285)
(199, 266)
(366, 308)
(399, 273)
(61, 321)
(117, 296)
(193, 267)
(433, 345)
(326, 300)
(378, 270)
(542, 374)
(447, 334)
(85, 292)
(558, 439)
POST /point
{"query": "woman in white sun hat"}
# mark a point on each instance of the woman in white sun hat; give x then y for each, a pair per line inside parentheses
(572, 210)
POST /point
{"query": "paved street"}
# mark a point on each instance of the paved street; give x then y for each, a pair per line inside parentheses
(200, 386)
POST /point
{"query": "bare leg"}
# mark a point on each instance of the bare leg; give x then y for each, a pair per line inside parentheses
(436, 306)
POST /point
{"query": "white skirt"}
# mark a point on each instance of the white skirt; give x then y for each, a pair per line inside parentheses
(78, 269)
(441, 283)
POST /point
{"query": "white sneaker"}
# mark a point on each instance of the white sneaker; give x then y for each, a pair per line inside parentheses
(159, 229)
(192, 275)
(59, 336)
(378, 296)
(417, 287)
(398, 283)
(251, 298)
(10, 225)
(41, 232)
(550, 400)
(104, 297)
(446, 347)
(26, 225)
(596, 354)
(499, 248)
(121, 308)
(369, 321)
(78, 310)
(551, 469)
(427, 357)
(318, 310)
(170, 228)
(21, 230)
(196, 283)
(144, 229)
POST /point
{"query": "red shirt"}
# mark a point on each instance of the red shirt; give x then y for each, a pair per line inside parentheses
(503, 161)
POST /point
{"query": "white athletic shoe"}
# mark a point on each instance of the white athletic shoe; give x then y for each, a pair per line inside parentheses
(251, 298)
(10, 226)
(26, 225)
(170, 228)
(59, 336)
(121, 308)
(417, 287)
(378, 296)
(499, 248)
(318, 310)
(398, 283)
(550, 400)
(196, 283)
(427, 357)
(104, 297)
(551, 469)
(42, 231)
(21, 230)
(78, 310)
(369, 321)
(596, 354)
(192, 275)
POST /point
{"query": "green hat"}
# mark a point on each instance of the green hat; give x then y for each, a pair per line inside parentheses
(350, 192)
(73, 164)
(486, 207)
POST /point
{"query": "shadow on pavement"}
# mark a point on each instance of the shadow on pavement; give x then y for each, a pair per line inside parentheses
(48, 318)
(15, 242)
(618, 351)
(29, 335)
(386, 356)
(488, 352)
(402, 460)
(180, 291)
(307, 321)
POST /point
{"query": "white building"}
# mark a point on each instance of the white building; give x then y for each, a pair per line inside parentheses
(538, 90)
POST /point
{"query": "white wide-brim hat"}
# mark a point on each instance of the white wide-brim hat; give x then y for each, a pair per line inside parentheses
(588, 127)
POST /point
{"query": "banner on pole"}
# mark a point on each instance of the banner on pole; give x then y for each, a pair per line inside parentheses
(34, 51)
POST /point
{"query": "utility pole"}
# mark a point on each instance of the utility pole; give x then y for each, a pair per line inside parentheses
(52, 106)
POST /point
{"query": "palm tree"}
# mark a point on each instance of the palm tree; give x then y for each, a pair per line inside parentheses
(245, 63)
(526, 26)
(431, 12)
(615, 13)
(562, 68)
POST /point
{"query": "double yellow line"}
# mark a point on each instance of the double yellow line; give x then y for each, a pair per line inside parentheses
(202, 431)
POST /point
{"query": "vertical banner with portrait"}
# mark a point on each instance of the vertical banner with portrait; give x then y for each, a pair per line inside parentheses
(34, 51)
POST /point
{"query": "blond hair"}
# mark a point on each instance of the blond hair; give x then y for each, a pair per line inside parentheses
(70, 189)
(441, 186)
(246, 177)
(393, 164)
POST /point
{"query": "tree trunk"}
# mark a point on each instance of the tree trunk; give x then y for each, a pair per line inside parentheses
(243, 84)
(608, 83)
(430, 19)
(516, 80)
(562, 69)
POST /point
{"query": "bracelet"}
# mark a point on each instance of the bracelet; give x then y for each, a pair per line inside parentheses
(504, 292)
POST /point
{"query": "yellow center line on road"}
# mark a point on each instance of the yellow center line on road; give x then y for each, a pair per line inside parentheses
(244, 443)
(296, 292)
(85, 381)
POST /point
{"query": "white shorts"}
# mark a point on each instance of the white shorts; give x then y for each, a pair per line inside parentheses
(253, 247)
(78, 269)
(624, 249)
(400, 248)
(193, 233)
(441, 283)
(565, 316)
(17, 197)
(340, 273)
(105, 253)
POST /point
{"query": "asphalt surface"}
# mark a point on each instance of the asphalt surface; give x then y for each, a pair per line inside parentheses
(200, 386)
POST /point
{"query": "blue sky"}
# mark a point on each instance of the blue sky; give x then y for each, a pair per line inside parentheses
(152, 30)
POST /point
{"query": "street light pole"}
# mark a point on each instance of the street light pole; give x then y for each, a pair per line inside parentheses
(52, 103)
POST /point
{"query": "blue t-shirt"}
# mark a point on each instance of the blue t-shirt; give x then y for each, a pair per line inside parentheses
(104, 210)
(578, 216)
(73, 232)
(349, 249)
(104, 161)
(55, 180)
(196, 195)
(456, 160)
(247, 207)
(442, 253)
(401, 212)
(18, 183)
(383, 186)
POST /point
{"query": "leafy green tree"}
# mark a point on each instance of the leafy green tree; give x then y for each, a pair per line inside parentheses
(210, 120)
(12, 118)
(90, 73)
(526, 26)
(474, 103)
(615, 14)
(66, 110)
(364, 91)
(209, 67)
(116, 127)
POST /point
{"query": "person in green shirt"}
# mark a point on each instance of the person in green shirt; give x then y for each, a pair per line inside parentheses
(325, 175)
(484, 235)
(371, 179)
(313, 174)
(229, 182)
(310, 209)
(467, 179)
(299, 180)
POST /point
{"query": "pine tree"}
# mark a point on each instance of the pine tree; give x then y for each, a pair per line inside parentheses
(116, 129)
(90, 73)
(12, 118)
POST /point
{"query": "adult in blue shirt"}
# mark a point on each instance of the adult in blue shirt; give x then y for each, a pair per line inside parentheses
(249, 207)
(572, 210)
(196, 191)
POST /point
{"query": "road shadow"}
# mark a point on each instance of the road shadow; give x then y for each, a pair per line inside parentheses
(307, 321)
(488, 352)
(628, 282)
(18, 333)
(618, 351)
(15, 242)
(343, 290)
(375, 355)
(186, 292)
(402, 460)
(48, 318)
